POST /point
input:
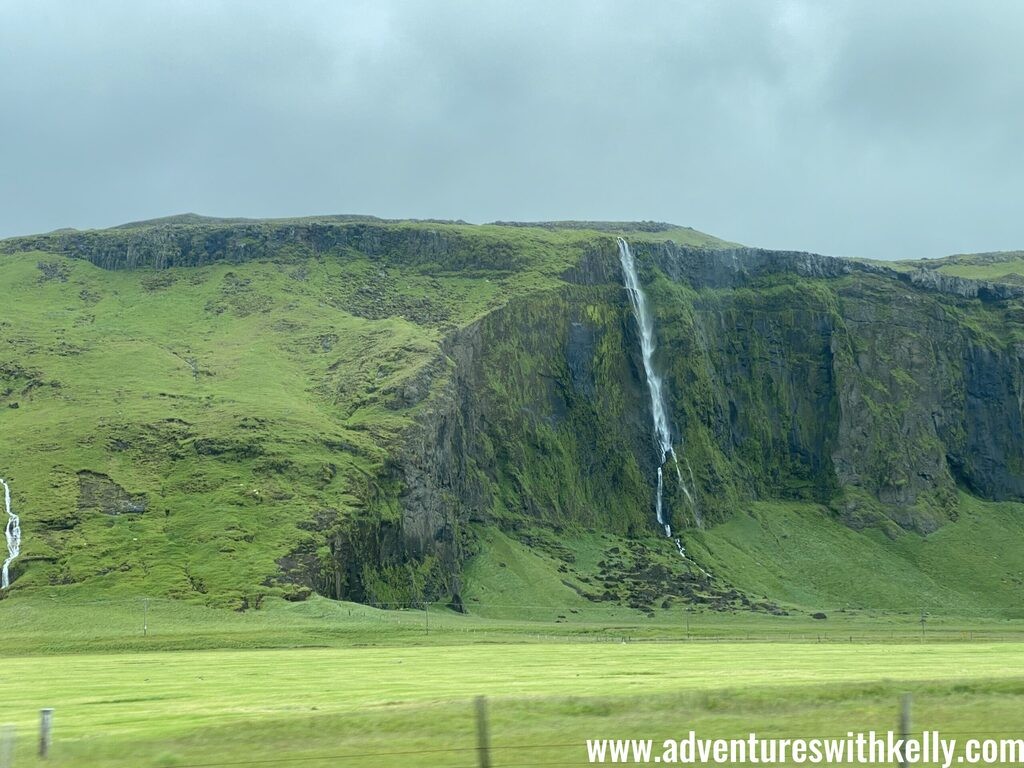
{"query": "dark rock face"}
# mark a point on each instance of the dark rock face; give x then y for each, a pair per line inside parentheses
(891, 380)
(98, 492)
(733, 267)
(580, 357)
(964, 288)
(992, 462)
(441, 489)
(926, 402)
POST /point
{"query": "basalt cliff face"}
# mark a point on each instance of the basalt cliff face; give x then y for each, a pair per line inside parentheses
(507, 388)
(789, 376)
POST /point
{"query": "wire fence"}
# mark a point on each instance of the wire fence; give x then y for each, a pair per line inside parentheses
(484, 753)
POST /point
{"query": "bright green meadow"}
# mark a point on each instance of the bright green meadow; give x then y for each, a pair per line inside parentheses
(373, 706)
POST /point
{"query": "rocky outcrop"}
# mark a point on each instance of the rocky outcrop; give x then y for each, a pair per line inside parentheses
(436, 467)
(733, 267)
(200, 242)
(98, 492)
(987, 452)
(934, 280)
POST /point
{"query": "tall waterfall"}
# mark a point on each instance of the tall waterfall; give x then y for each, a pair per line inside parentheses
(659, 411)
(13, 535)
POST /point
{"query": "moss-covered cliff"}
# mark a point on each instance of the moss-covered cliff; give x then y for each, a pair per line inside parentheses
(342, 405)
(791, 377)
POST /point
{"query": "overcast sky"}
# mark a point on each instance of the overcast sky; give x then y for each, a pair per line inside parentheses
(862, 128)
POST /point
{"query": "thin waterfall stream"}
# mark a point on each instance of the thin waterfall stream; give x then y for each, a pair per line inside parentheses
(12, 532)
(655, 388)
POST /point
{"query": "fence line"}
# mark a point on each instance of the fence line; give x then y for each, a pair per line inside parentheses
(484, 747)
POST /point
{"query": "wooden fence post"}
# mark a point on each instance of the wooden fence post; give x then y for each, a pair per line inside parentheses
(7, 746)
(904, 727)
(483, 737)
(45, 722)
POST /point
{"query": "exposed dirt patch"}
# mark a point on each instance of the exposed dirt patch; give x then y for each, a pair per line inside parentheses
(98, 492)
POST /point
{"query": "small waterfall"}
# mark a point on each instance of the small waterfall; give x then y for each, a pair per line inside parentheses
(13, 535)
(659, 411)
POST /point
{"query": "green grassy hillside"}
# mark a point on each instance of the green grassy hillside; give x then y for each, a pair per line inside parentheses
(803, 557)
(243, 405)
(237, 413)
(194, 431)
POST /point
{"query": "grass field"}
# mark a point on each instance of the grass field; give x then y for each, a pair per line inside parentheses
(324, 683)
(413, 705)
(116, 626)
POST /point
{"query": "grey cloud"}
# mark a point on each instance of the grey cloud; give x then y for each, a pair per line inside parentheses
(886, 130)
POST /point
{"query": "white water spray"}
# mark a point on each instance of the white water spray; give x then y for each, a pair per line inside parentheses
(13, 535)
(659, 412)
